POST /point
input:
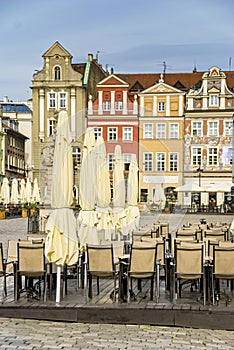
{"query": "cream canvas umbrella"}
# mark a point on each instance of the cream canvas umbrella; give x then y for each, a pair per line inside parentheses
(36, 193)
(132, 210)
(5, 191)
(159, 197)
(87, 219)
(119, 215)
(190, 187)
(103, 191)
(23, 196)
(61, 246)
(14, 192)
(28, 190)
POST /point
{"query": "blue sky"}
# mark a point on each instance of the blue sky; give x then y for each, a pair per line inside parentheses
(132, 36)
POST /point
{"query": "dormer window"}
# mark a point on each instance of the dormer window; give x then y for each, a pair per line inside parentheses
(57, 73)
(214, 100)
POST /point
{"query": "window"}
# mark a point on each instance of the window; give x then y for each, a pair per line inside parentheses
(97, 132)
(118, 105)
(57, 75)
(127, 134)
(76, 154)
(174, 131)
(52, 100)
(227, 128)
(126, 159)
(111, 161)
(51, 127)
(106, 105)
(147, 131)
(112, 134)
(197, 129)
(212, 128)
(173, 161)
(148, 161)
(160, 161)
(160, 131)
(161, 106)
(62, 100)
(196, 156)
(213, 156)
(214, 101)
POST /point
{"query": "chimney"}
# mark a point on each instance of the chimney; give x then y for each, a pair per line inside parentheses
(5, 99)
(90, 57)
(112, 70)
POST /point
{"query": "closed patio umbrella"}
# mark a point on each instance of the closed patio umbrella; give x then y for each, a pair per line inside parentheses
(132, 210)
(119, 192)
(103, 191)
(28, 190)
(14, 192)
(61, 246)
(87, 219)
(5, 191)
(36, 193)
(23, 196)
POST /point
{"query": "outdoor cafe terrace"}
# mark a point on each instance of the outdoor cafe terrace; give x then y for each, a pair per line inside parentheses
(170, 309)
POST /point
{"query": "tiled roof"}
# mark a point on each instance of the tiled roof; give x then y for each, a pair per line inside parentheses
(79, 67)
(188, 80)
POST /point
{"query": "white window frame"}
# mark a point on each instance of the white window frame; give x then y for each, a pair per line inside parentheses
(148, 131)
(213, 157)
(62, 99)
(111, 161)
(112, 131)
(227, 128)
(148, 161)
(174, 131)
(213, 131)
(106, 106)
(52, 99)
(173, 161)
(198, 127)
(160, 161)
(161, 131)
(97, 132)
(214, 100)
(196, 156)
(127, 134)
(118, 105)
(161, 106)
(51, 126)
(76, 154)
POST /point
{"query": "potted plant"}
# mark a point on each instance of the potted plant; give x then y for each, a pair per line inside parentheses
(167, 207)
(24, 210)
(2, 212)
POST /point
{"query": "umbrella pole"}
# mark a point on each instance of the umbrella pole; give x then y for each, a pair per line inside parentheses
(58, 284)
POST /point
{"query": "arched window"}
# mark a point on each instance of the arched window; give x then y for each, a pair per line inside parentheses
(57, 75)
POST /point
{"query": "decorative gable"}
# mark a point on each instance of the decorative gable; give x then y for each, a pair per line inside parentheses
(112, 80)
(161, 88)
(57, 49)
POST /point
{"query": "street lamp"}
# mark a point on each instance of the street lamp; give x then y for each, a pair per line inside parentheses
(199, 170)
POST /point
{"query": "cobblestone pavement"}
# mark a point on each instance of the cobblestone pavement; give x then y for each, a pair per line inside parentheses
(33, 334)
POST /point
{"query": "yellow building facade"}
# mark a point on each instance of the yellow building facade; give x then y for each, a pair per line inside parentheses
(161, 124)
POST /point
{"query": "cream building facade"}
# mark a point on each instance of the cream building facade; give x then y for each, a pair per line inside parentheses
(60, 85)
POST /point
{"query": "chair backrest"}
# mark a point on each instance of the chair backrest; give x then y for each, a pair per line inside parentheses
(164, 230)
(31, 258)
(35, 239)
(223, 262)
(160, 241)
(210, 246)
(12, 255)
(118, 248)
(189, 260)
(143, 260)
(100, 259)
(215, 235)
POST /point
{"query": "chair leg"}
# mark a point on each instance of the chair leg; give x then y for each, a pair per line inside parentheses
(90, 294)
(45, 287)
(152, 289)
(98, 290)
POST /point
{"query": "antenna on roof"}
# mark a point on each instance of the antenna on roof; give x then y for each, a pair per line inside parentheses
(97, 53)
(165, 66)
